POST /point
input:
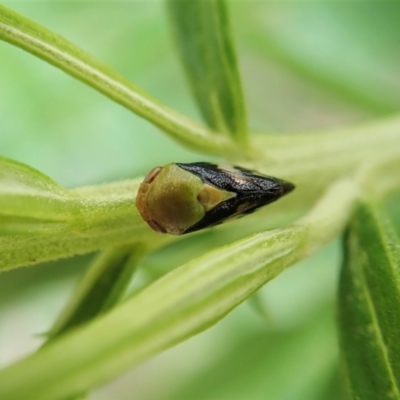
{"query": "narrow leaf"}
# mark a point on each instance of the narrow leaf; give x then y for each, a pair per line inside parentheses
(101, 288)
(179, 305)
(23, 193)
(40, 220)
(369, 307)
(54, 49)
(204, 39)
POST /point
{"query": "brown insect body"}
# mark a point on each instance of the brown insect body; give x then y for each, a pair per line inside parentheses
(183, 198)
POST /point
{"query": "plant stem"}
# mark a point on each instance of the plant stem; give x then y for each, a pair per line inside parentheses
(54, 49)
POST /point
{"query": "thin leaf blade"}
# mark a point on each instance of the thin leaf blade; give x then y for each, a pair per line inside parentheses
(41, 221)
(23, 193)
(202, 32)
(101, 288)
(56, 50)
(369, 307)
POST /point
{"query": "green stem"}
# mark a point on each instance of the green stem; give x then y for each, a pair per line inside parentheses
(54, 49)
(313, 160)
(106, 215)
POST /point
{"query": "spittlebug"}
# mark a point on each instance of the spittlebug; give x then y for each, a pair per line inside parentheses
(183, 198)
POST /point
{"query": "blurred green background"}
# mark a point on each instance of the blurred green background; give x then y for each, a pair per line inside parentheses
(305, 66)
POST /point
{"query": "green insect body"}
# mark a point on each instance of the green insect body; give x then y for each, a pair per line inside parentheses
(183, 198)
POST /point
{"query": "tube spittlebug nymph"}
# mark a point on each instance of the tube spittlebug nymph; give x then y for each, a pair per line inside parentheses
(183, 198)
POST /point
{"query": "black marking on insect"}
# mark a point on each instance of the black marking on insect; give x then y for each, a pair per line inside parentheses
(183, 198)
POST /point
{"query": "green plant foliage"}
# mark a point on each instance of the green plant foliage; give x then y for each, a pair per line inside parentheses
(41, 221)
(185, 302)
(304, 66)
(369, 305)
(204, 39)
(74, 61)
(23, 191)
(101, 288)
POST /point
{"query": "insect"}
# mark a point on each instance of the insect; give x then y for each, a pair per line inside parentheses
(183, 198)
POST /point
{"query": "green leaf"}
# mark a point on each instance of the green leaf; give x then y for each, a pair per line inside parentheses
(97, 217)
(40, 221)
(202, 32)
(54, 49)
(23, 193)
(101, 288)
(369, 307)
(179, 305)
